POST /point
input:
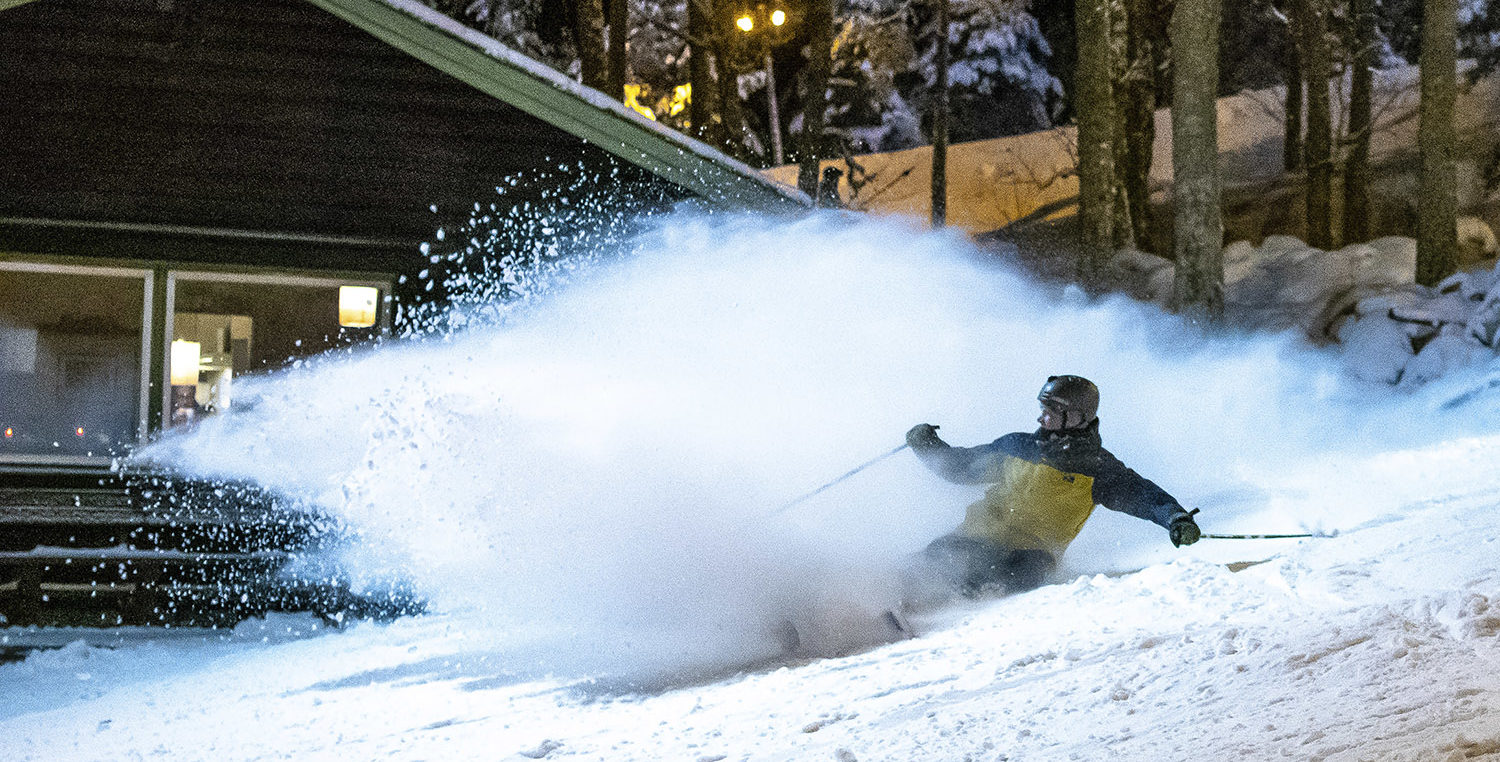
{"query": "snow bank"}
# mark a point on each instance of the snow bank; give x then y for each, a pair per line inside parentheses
(1362, 296)
(1283, 284)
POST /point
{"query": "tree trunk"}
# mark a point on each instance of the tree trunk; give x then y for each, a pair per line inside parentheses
(1361, 86)
(619, 33)
(1094, 105)
(1319, 151)
(819, 20)
(1437, 204)
(1291, 150)
(940, 121)
(1197, 223)
(700, 73)
(725, 51)
(1136, 101)
(1123, 232)
(588, 36)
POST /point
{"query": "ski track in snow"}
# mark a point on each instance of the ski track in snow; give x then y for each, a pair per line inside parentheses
(1379, 643)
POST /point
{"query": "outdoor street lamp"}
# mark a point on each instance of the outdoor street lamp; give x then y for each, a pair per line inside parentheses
(769, 22)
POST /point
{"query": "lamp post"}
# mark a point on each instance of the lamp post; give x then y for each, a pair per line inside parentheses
(768, 22)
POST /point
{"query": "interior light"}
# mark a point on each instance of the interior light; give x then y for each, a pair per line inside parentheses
(186, 356)
(357, 306)
(778, 17)
(745, 23)
(9, 432)
(78, 432)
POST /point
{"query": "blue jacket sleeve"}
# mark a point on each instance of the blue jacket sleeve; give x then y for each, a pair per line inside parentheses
(965, 465)
(1119, 488)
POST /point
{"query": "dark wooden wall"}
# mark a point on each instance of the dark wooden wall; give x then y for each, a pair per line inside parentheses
(256, 115)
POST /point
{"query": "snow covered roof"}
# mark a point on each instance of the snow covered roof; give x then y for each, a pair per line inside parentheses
(491, 67)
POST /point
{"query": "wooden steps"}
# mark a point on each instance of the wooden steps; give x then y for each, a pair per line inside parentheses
(106, 550)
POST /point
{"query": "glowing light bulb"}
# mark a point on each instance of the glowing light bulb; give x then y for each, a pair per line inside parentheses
(745, 23)
(778, 17)
(78, 431)
(9, 432)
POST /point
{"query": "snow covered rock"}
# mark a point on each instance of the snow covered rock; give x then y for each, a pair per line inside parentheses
(1412, 334)
(1392, 261)
(1144, 276)
(1477, 246)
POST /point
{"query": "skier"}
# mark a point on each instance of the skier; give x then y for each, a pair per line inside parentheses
(1043, 486)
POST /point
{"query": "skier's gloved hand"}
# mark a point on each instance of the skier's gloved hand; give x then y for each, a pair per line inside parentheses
(922, 435)
(1184, 531)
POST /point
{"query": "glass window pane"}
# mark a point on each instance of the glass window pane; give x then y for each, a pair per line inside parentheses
(229, 329)
(70, 362)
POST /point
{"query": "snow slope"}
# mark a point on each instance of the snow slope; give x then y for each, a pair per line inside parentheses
(1380, 643)
(587, 492)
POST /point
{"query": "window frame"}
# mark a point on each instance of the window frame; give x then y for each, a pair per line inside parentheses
(143, 396)
(159, 279)
(298, 279)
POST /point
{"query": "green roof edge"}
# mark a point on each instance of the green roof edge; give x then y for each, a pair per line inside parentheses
(489, 66)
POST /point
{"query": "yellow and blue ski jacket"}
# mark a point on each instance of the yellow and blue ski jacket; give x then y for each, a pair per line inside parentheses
(1044, 486)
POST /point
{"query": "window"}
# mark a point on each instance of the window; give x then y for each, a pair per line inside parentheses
(226, 326)
(71, 378)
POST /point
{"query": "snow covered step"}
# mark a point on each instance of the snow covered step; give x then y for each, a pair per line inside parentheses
(116, 585)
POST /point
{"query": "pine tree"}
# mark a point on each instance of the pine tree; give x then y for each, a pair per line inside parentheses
(872, 51)
(997, 74)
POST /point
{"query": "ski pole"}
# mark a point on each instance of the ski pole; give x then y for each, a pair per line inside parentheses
(852, 472)
(1261, 536)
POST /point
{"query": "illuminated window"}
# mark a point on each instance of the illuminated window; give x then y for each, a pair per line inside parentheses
(246, 324)
(71, 375)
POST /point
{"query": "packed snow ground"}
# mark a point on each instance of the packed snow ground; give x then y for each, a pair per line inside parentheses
(1380, 643)
(607, 575)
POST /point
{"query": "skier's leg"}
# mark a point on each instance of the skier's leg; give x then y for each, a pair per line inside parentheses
(970, 566)
(1023, 570)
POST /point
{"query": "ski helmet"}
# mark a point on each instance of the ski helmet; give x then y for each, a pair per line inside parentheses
(1075, 398)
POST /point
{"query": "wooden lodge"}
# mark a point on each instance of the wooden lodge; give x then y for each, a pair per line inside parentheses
(192, 191)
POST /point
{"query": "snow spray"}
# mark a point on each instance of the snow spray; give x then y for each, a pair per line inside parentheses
(589, 478)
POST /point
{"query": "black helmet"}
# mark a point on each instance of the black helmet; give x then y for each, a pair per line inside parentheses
(1075, 398)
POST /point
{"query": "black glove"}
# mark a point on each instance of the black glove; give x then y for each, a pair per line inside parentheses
(922, 435)
(1184, 531)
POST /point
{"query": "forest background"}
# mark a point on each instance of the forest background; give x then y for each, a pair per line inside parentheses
(778, 82)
